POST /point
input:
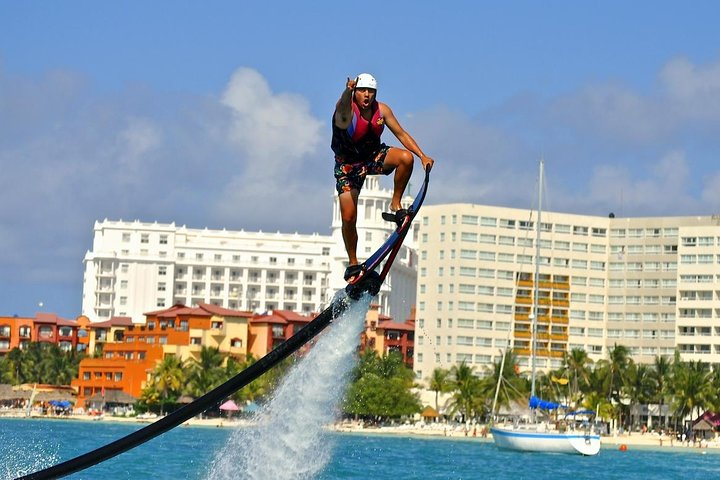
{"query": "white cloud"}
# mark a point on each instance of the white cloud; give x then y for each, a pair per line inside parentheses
(664, 188)
(258, 159)
(134, 145)
(285, 176)
(711, 192)
(275, 130)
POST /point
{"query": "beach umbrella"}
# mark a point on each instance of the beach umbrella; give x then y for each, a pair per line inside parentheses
(429, 412)
(229, 407)
(251, 408)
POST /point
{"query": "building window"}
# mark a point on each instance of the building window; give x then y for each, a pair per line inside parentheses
(145, 238)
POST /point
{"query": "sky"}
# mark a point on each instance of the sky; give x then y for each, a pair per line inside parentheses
(217, 114)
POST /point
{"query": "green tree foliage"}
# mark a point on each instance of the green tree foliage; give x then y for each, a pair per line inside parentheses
(167, 380)
(439, 382)
(40, 362)
(381, 387)
(692, 388)
(513, 387)
(205, 373)
(466, 399)
(576, 370)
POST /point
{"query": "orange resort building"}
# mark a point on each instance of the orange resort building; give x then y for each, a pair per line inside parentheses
(384, 335)
(122, 354)
(19, 332)
(129, 352)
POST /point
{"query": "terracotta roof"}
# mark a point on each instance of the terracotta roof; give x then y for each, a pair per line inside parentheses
(203, 310)
(265, 318)
(226, 312)
(281, 317)
(291, 316)
(113, 322)
(173, 309)
(389, 325)
(63, 322)
(42, 317)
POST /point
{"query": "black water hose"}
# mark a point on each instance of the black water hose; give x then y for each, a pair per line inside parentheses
(213, 397)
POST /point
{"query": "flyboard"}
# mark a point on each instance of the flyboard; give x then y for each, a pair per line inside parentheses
(367, 281)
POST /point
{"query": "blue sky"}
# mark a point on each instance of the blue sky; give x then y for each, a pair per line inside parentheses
(217, 114)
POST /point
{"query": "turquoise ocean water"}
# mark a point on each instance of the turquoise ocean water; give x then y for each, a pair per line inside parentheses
(185, 453)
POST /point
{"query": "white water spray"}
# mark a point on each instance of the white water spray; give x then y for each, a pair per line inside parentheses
(288, 439)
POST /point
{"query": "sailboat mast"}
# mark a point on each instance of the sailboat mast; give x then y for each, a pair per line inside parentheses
(536, 282)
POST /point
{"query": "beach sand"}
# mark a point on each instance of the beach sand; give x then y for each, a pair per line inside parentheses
(435, 429)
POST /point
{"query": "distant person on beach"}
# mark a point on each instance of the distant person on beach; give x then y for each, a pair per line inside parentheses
(358, 122)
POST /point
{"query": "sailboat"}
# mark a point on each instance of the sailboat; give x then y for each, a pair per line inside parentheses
(554, 432)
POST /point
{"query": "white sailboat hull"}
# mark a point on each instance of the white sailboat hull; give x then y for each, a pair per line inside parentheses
(534, 438)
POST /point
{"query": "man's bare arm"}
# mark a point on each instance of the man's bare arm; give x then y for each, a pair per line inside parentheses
(343, 108)
(404, 137)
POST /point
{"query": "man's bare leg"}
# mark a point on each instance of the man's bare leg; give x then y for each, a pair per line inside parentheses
(401, 161)
(348, 214)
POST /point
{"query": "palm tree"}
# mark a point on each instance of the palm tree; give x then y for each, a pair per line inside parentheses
(691, 387)
(168, 378)
(513, 386)
(598, 403)
(662, 373)
(466, 387)
(576, 367)
(205, 372)
(439, 383)
(639, 384)
(613, 371)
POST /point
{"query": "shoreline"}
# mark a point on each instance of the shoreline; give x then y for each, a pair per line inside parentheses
(646, 441)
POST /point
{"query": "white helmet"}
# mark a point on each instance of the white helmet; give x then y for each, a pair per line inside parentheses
(365, 80)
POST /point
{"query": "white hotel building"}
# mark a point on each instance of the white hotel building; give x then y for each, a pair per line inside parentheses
(651, 284)
(137, 267)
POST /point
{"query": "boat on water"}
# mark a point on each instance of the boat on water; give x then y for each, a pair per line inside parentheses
(572, 433)
(549, 427)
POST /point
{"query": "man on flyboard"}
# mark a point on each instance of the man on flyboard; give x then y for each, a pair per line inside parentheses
(358, 123)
